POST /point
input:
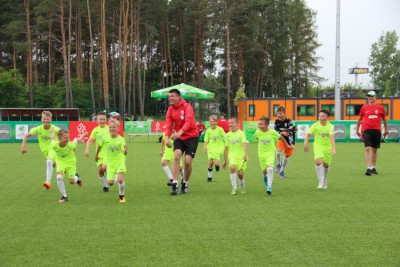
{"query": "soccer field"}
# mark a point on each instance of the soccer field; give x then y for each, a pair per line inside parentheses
(355, 222)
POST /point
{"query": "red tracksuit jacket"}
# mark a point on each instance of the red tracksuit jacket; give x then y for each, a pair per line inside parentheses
(181, 117)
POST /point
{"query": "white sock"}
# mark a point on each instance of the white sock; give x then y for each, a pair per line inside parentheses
(233, 180)
(121, 188)
(285, 162)
(61, 185)
(167, 171)
(76, 178)
(326, 170)
(279, 157)
(320, 173)
(116, 178)
(270, 175)
(103, 181)
(49, 170)
(210, 172)
(242, 183)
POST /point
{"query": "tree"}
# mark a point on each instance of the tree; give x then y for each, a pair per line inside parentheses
(12, 90)
(385, 62)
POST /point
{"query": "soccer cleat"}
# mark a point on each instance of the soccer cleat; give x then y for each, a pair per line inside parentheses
(170, 182)
(265, 180)
(209, 179)
(373, 171)
(269, 190)
(320, 185)
(174, 191)
(368, 172)
(63, 199)
(122, 199)
(282, 174)
(105, 189)
(325, 186)
(278, 168)
(184, 188)
(242, 191)
(234, 192)
(46, 185)
(217, 168)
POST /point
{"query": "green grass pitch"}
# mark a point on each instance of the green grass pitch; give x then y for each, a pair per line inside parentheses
(355, 222)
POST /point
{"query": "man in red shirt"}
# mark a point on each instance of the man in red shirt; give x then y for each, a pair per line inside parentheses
(180, 117)
(223, 124)
(370, 119)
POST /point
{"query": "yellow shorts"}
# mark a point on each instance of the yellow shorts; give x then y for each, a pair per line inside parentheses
(69, 170)
(325, 154)
(113, 170)
(49, 154)
(266, 161)
(238, 162)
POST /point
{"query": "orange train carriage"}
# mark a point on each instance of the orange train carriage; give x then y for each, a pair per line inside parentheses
(307, 108)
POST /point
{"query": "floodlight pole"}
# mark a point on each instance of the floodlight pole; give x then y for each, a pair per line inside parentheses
(337, 64)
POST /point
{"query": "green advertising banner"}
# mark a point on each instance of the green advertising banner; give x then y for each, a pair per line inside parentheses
(6, 132)
(137, 127)
(345, 131)
(14, 131)
(23, 127)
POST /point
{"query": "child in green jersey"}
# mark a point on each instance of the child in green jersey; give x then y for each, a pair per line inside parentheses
(267, 139)
(66, 160)
(95, 137)
(44, 133)
(236, 153)
(167, 154)
(213, 145)
(116, 149)
(324, 146)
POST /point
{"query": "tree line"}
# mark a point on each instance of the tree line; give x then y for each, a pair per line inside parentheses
(111, 54)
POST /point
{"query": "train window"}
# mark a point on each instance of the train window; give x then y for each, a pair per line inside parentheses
(330, 108)
(353, 110)
(386, 107)
(305, 110)
(275, 109)
(252, 110)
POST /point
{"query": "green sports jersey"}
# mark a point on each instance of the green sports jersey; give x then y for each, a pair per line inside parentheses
(64, 155)
(215, 139)
(267, 141)
(234, 141)
(114, 148)
(97, 134)
(322, 134)
(44, 136)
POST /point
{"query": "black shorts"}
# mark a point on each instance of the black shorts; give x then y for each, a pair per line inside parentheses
(372, 138)
(188, 146)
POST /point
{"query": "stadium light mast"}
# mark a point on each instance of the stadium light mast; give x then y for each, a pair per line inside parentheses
(337, 64)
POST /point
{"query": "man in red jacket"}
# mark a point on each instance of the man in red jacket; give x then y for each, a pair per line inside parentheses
(180, 117)
(370, 118)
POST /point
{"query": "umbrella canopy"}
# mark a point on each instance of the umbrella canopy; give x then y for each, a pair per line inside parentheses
(187, 92)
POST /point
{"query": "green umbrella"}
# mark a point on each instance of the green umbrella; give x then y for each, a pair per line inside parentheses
(187, 92)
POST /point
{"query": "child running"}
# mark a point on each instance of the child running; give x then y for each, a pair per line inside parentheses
(66, 160)
(324, 146)
(267, 139)
(95, 137)
(284, 126)
(44, 137)
(213, 145)
(167, 154)
(236, 153)
(114, 159)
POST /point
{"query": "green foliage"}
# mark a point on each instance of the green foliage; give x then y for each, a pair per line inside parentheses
(12, 89)
(385, 62)
(240, 93)
(345, 225)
